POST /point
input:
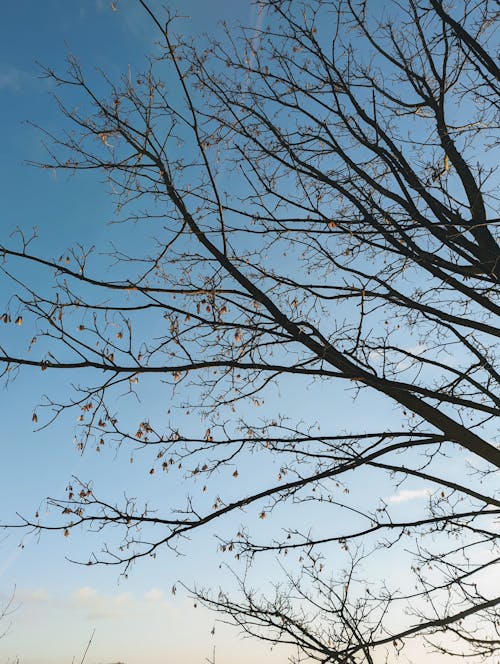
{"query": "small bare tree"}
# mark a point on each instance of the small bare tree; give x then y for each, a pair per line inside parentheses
(7, 607)
(324, 200)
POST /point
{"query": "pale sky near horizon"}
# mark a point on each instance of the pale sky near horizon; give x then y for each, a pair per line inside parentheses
(58, 604)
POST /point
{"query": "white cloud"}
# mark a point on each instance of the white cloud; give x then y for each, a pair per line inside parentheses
(84, 594)
(419, 349)
(408, 494)
(98, 605)
(154, 595)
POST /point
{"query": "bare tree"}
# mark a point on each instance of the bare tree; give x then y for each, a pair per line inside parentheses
(6, 609)
(323, 194)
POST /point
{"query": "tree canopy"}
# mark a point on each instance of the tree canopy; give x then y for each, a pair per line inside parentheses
(322, 193)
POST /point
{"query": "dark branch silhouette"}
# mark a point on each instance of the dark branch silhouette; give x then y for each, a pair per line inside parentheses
(324, 205)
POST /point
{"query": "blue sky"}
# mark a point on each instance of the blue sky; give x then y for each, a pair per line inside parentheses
(137, 620)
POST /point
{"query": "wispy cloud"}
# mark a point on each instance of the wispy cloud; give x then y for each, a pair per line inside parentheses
(378, 354)
(11, 78)
(102, 6)
(16, 80)
(98, 605)
(405, 495)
